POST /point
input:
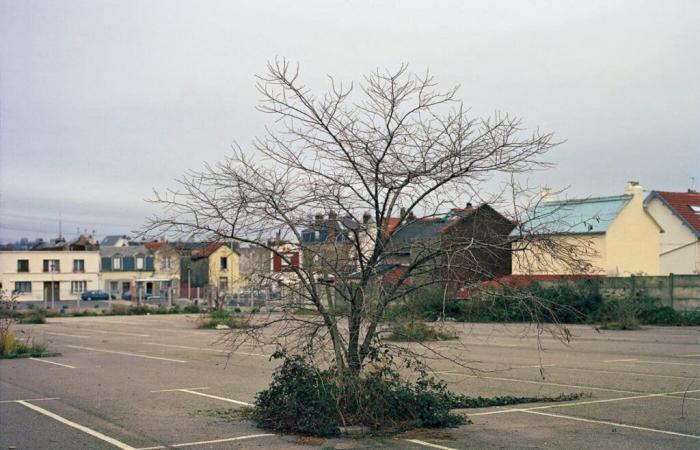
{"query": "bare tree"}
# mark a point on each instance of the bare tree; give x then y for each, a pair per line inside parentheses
(379, 157)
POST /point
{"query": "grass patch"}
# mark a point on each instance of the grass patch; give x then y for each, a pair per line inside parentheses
(36, 316)
(464, 401)
(11, 347)
(224, 414)
(225, 318)
(415, 331)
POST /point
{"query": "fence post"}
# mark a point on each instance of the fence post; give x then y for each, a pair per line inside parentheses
(633, 282)
(670, 288)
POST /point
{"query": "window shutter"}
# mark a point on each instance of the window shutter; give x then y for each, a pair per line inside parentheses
(106, 263)
(128, 263)
(149, 263)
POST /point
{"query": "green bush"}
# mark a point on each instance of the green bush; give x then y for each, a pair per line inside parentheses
(34, 316)
(416, 331)
(305, 400)
(191, 309)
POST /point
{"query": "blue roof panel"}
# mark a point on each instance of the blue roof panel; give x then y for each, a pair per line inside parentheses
(576, 216)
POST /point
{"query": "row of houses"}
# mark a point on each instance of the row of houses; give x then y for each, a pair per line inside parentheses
(634, 233)
(125, 269)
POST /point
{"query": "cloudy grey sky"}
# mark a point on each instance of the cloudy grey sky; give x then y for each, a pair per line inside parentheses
(102, 101)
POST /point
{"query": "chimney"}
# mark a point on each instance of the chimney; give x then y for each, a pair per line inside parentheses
(634, 188)
(318, 219)
(402, 212)
(366, 217)
(547, 194)
(332, 224)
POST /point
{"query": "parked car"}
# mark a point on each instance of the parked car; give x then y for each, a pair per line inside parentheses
(95, 295)
(127, 296)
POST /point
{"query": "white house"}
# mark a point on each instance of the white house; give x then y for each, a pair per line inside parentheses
(678, 213)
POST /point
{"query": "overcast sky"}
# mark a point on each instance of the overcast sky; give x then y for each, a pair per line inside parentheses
(102, 101)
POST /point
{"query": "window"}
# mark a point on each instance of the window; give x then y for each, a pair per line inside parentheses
(223, 284)
(23, 286)
(22, 265)
(139, 263)
(224, 263)
(116, 263)
(77, 287)
(695, 208)
(78, 265)
(113, 286)
(52, 265)
(167, 262)
(126, 286)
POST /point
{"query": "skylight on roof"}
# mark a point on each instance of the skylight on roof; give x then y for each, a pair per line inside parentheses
(695, 208)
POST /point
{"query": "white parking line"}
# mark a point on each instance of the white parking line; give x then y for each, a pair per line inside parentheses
(428, 444)
(216, 441)
(623, 372)
(546, 383)
(224, 399)
(205, 349)
(587, 402)
(119, 332)
(51, 362)
(641, 361)
(615, 424)
(77, 426)
(69, 335)
(126, 353)
(30, 400)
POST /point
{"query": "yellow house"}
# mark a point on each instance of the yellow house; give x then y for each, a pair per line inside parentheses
(611, 236)
(212, 269)
(49, 274)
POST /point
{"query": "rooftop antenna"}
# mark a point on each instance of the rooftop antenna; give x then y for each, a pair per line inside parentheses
(692, 184)
(60, 226)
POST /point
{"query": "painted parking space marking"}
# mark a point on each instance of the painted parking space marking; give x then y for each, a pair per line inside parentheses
(116, 352)
(216, 441)
(614, 424)
(202, 394)
(206, 349)
(585, 402)
(546, 383)
(77, 426)
(123, 333)
(642, 361)
(79, 336)
(429, 444)
(41, 399)
(52, 362)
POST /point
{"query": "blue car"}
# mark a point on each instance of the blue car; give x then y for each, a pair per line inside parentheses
(94, 295)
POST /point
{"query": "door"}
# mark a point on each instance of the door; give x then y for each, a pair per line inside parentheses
(52, 293)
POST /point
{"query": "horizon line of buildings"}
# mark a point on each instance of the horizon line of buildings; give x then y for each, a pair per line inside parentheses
(627, 234)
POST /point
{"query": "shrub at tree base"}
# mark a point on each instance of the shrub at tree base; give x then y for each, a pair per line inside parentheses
(305, 400)
(415, 331)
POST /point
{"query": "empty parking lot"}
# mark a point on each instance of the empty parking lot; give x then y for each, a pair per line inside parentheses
(149, 382)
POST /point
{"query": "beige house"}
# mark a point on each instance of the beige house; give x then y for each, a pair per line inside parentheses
(133, 272)
(49, 274)
(210, 270)
(612, 236)
(679, 215)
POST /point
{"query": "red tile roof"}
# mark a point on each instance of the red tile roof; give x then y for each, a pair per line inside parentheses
(207, 250)
(680, 202)
(391, 224)
(153, 245)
